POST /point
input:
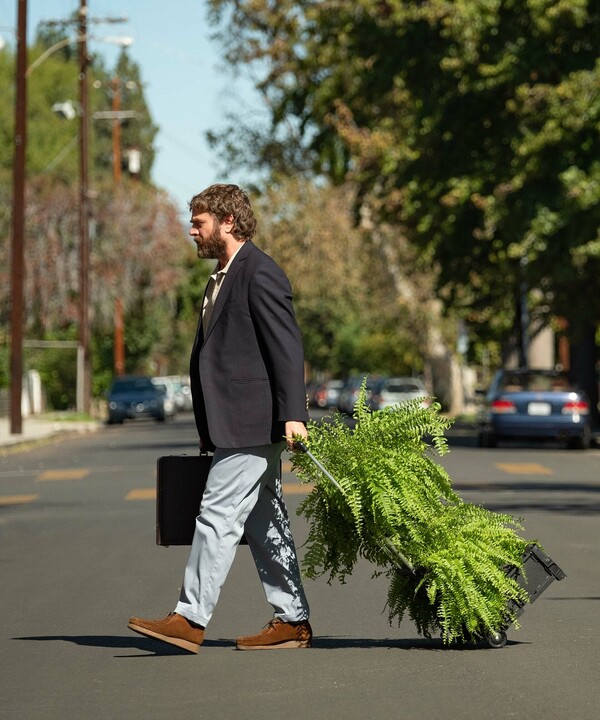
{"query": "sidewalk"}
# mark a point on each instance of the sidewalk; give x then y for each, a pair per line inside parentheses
(43, 427)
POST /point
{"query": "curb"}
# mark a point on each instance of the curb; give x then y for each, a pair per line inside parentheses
(58, 433)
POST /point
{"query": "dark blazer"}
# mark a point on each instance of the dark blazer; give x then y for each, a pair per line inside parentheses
(247, 374)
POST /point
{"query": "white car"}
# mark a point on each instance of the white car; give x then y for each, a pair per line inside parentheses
(396, 390)
(165, 385)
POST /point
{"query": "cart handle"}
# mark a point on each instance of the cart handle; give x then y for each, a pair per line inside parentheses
(300, 445)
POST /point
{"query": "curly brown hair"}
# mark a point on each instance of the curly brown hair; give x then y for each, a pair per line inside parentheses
(221, 201)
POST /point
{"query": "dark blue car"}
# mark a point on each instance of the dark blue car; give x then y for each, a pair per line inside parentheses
(535, 404)
(132, 397)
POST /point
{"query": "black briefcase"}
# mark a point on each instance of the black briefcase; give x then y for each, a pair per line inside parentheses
(180, 482)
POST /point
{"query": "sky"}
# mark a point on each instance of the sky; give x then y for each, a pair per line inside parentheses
(188, 88)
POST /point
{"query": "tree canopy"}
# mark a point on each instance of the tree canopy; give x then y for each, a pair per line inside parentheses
(470, 127)
(139, 253)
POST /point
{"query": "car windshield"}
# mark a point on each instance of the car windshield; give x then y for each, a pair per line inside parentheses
(402, 387)
(132, 384)
(535, 381)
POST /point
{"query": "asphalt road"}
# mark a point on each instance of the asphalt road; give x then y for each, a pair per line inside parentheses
(78, 557)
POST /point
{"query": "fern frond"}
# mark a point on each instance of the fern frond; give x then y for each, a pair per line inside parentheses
(394, 493)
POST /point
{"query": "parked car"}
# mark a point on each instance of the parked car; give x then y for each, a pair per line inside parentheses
(179, 390)
(326, 395)
(186, 391)
(167, 387)
(396, 390)
(529, 403)
(351, 388)
(135, 396)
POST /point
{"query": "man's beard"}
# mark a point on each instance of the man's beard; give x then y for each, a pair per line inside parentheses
(213, 247)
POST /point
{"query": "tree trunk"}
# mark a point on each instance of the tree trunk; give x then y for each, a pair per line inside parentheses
(584, 362)
(441, 367)
(442, 370)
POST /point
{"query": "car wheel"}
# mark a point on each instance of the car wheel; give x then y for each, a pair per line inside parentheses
(579, 443)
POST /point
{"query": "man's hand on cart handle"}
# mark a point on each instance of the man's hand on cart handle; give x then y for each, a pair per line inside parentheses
(294, 430)
(300, 445)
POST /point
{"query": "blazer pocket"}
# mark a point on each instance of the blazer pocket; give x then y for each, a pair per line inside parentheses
(253, 395)
(253, 399)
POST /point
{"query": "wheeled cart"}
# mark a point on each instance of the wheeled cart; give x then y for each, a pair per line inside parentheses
(535, 574)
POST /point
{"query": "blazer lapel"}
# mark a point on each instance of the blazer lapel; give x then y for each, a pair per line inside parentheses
(199, 339)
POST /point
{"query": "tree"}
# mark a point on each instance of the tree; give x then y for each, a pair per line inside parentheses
(470, 127)
(138, 248)
(343, 297)
(137, 133)
(138, 255)
(52, 141)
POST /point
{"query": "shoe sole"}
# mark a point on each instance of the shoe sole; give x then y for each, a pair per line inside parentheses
(178, 642)
(279, 646)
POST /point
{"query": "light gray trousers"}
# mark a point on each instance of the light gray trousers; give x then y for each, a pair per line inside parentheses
(243, 495)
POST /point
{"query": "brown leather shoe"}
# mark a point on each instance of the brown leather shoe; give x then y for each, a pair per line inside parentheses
(277, 635)
(174, 629)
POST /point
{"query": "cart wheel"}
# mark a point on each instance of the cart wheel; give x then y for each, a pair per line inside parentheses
(497, 639)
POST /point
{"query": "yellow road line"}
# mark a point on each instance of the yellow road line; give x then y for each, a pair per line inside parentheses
(525, 468)
(150, 493)
(297, 488)
(141, 494)
(17, 499)
(73, 474)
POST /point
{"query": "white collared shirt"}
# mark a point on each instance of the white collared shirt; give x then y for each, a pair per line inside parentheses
(212, 290)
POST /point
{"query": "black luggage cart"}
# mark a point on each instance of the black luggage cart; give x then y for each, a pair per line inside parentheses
(537, 572)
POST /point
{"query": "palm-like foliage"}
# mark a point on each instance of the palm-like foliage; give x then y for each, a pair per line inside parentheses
(394, 497)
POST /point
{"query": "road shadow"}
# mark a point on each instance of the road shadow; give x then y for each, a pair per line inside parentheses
(437, 644)
(156, 648)
(539, 496)
(518, 508)
(152, 648)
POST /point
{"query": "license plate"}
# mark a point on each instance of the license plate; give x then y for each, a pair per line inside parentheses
(539, 408)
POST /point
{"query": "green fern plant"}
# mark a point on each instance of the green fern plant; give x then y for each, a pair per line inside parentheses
(393, 497)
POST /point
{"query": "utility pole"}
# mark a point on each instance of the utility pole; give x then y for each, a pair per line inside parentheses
(116, 129)
(119, 349)
(17, 255)
(119, 341)
(84, 374)
(83, 351)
